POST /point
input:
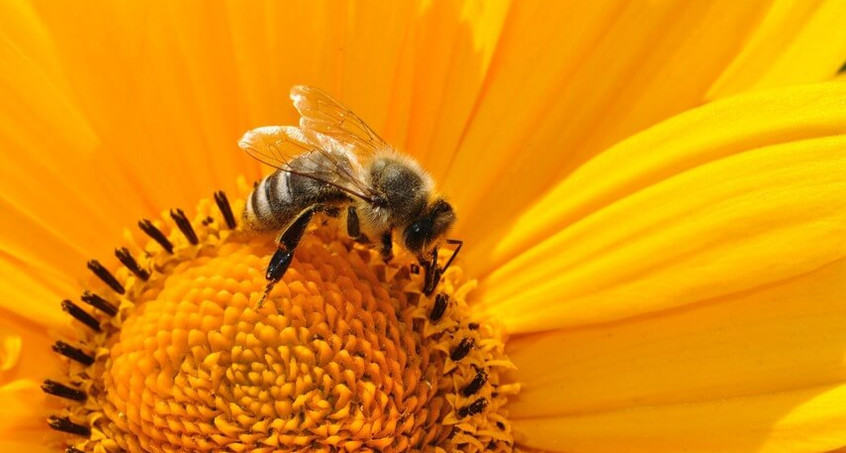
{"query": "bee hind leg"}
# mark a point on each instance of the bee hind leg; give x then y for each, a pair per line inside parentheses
(284, 255)
(279, 263)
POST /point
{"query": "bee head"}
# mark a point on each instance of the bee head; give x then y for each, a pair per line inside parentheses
(432, 224)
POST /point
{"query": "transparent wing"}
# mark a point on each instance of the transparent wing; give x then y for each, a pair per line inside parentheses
(281, 146)
(321, 114)
(275, 146)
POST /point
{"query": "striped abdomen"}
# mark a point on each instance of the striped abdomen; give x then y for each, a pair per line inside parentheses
(272, 204)
(281, 196)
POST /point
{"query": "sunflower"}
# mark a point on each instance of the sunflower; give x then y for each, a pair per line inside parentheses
(651, 196)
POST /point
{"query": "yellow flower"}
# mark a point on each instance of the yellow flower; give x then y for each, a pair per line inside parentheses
(651, 194)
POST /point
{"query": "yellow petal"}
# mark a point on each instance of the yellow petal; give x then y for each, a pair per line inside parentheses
(52, 179)
(723, 199)
(436, 90)
(10, 351)
(25, 409)
(159, 104)
(757, 371)
(37, 443)
(565, 84)
(32, 293)
(148, 119)
(23, 27)
(769, 424)
(781, 337)
(25, 347)
(798, 41)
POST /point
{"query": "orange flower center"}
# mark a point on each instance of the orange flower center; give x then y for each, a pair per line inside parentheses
(346, 354)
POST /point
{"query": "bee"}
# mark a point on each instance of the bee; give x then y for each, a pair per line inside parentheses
(334, 162)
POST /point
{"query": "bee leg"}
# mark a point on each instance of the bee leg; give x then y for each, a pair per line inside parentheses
(458, 243)
(387, 249)
(353, 227)
(279, 263)
(283, 256)
(330, 212)
(432, 275)
(433, 272)
(291, 237)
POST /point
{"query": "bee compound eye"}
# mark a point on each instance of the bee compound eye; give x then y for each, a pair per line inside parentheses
(416, 236)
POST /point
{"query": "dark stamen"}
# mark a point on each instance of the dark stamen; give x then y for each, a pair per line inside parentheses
(73, 353)
(73, 450)
(462, 349)
(473, 326)
(439, 307)
(65, 425)
(208, 221)
(80, 315)
(476, 407)
(184, 225)
(476, 384)
(156, 234)
(103, 274)
(99, 303)
(414, 268)
(63, 391)
(225, 208)
(127, 260)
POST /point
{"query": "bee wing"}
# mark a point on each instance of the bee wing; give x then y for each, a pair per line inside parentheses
(275, 146)
(321, 114)
(278, 146)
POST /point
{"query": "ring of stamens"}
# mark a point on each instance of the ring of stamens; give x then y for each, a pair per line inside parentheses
(346, 354)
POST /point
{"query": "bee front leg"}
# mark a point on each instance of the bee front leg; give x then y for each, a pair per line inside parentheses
(458, 243)
(432, 274)
(284, 255)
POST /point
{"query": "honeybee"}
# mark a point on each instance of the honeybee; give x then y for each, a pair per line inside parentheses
(334, 162)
